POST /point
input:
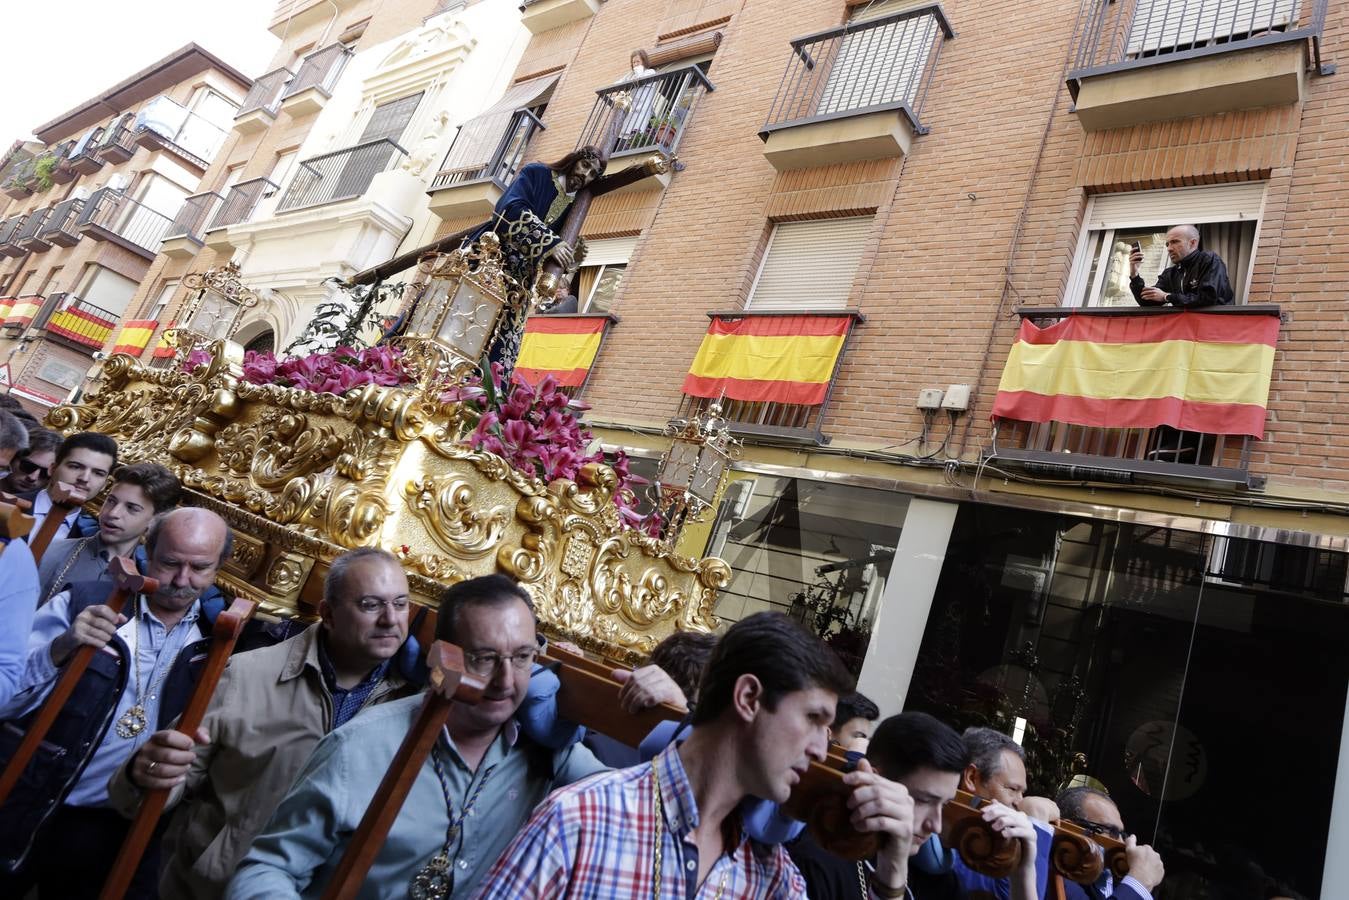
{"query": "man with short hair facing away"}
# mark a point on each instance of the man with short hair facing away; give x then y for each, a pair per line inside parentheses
(854, 721)
(470, 797)
(83, 461)
(269, 711)
(139, 492)
(30, 469)
(1097, 813)
(671, 828)
(1195, 278)
(140, 681)
(13, 439)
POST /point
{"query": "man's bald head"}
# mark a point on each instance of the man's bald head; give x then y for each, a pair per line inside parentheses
(206, 525)
(187, 547)
(1181, 241)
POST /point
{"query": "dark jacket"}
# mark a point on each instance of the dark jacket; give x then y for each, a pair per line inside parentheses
(84, 720)
(1199, 279)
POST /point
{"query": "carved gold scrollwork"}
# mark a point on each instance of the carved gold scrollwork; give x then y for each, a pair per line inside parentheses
(353, 517)
(296, 448)
(247, 556)
(287, 573)
(431, 565)
(367, 455)
(449, 508)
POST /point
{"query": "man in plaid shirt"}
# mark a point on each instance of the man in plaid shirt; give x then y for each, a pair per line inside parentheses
(672, 828)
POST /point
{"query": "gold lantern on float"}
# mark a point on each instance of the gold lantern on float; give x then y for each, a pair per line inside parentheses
(693, 469)
(457, 316)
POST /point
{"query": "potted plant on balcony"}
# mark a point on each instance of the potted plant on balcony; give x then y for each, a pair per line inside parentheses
(42, 172)
(664, 128)
(20, 181)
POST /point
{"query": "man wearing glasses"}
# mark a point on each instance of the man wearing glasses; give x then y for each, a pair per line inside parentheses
(1097, 813)
(30, 469)
(269, 711)
(473, 793)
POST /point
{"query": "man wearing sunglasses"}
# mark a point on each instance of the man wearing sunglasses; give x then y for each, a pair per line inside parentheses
(473, 793)
(269, 711)
(31, 468)
(1098, 814)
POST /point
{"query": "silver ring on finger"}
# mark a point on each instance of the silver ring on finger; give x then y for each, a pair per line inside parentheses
(150, 769)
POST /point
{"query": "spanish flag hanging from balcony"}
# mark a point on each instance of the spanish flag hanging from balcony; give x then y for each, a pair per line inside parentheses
(768, 359)
(135, 336)
(24, 310)
(164, 349)
(562, 346)
(1195, 371)
(82, 326)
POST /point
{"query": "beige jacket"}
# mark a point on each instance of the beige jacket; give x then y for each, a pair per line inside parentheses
(268, 713)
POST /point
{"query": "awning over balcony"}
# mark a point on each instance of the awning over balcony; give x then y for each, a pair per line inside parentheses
(135, 336)
(1204, 372)
(769, 359)
(562, 346)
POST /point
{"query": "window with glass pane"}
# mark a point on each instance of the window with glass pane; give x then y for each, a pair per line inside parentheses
(1169, 668)
(819, 552)
(1107, 281)
(606, 281)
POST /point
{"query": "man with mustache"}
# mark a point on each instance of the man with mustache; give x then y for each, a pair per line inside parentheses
(270, 710)
(139, 493)
(141, 677)
(473, 793)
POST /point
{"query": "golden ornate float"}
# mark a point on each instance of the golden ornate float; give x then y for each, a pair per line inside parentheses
(302, 476)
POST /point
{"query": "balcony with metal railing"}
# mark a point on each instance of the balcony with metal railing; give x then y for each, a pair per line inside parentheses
(647, 114)
(77, 324)
(771, 407)
(236, 208)
(61, 229)
(1081, 410)
(545, 15)
(482, 162)
(19, 179)
(313, 83)
(84, 158)
(119, 144)
(262, 102)
(340, 175)
(165, 125)
(9, 236)
(855, 92)
(63, 173)
(1151, 60)
(29, 236)
(186, 234)
(110, 215)
(22, 312)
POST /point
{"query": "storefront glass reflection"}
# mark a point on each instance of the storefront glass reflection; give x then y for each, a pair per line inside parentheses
(1200, 680)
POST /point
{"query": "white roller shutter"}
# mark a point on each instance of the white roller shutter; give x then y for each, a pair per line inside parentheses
(810, 265)
(1219, 203)
(609, 251)
(1161, 25)
(865, 12)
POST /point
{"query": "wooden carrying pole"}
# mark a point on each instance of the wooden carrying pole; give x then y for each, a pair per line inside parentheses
(64, 501)
(449, 683)
(128, 584)
(228, 626)
(15, 522)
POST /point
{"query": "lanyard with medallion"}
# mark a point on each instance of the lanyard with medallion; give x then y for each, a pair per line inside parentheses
(435, 881)
(134, 721)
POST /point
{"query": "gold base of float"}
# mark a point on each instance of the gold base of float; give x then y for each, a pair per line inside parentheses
(301, 477)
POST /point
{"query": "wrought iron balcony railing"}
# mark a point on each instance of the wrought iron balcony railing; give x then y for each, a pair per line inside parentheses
(84, 155)
(28, 237)
(875, 66)
(319, 69)
(119, 143)
(60, 227)
(164, 124)
(240, 202)
(339, 175)
(191, 219)
(265, 94)
(482, 151)
(1122, 34)
(648, 113)
(110, 215)
(9, 236)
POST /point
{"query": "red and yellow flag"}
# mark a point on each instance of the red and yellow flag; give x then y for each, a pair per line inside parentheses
(774, 359)
(562, 346)
(135, 336)
(81, 326)
(24, 310)
(6, 304)
(1193, 371)
(163, 349)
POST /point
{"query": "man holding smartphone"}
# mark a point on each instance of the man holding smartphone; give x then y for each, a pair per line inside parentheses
(1194, 279)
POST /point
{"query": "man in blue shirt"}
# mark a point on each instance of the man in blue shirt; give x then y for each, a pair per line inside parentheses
(140, 676)
(1097, 813)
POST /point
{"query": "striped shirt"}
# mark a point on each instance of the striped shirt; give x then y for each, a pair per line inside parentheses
(596, 840)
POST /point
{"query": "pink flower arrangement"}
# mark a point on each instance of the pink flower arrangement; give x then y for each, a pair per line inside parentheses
(334, 372)
(537, 430)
